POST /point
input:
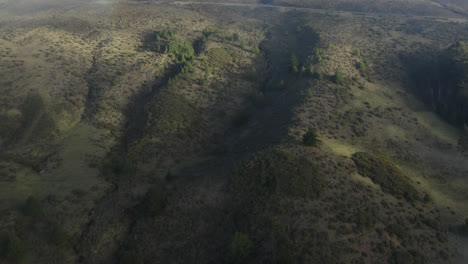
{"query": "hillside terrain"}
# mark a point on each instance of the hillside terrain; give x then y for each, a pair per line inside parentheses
(234, 132)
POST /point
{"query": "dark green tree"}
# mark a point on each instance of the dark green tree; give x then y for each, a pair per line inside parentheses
(256, 50)
(318, 74)
(310, 138)
(311, 70)
(294, 63)
(339, 79)
(357, 53)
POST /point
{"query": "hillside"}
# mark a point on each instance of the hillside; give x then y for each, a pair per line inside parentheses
(147, 132)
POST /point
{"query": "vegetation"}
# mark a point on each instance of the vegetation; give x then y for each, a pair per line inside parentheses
(165, 34)
(381, 170)
(155, 201)
(121, 164)
(257, 99)
(12, 248)
(363, 65)
(240, 249)
(338, 78)
(310, 138)
(294, 63)
(408, 257)
(464, 228)
(235, 37)
(170, 113)
(442, 83)
(357, 53)
(190, 105)
(256, 50)
(32, 207)
(58, 236)
(241, 118)
(130, 257)
(182, 50)
(277, 172)
(253, 75)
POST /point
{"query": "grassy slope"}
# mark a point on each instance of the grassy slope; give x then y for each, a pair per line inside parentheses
(119, 82)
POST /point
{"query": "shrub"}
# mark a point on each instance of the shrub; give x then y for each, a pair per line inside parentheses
(32, 207)
(11, 122)
(130, 257)
(339, 79)
(182, 49)
(318, 74)
(311, 70)
(165, 34)
(464, 228)
(240, 249)
(219, 57)
(12, 248)
(294, 63)
(256, 50)
(381, 170)
(253, 75)
(276, 173)
(241, 118)
(170, 114)
(121, 164)
(242, 44)
(257, 99)
(235, 37)
(408, 257)
(361, 65)
(58, 236)
(366, 219)
(310, 138)
(155, 201)
(357, 53)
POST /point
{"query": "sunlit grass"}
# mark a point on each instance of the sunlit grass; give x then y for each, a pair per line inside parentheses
(341, 147)
(438, 127)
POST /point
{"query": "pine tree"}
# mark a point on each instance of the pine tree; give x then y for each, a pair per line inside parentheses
(294, 63)
(339, 79)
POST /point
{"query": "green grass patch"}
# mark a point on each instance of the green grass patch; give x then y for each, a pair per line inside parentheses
(381, 170)
(219, 57)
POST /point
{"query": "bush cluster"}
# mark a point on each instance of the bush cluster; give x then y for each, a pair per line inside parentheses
(310, 138)
(12, 248)
(240, 249)
(381, 170)
(277, 173)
